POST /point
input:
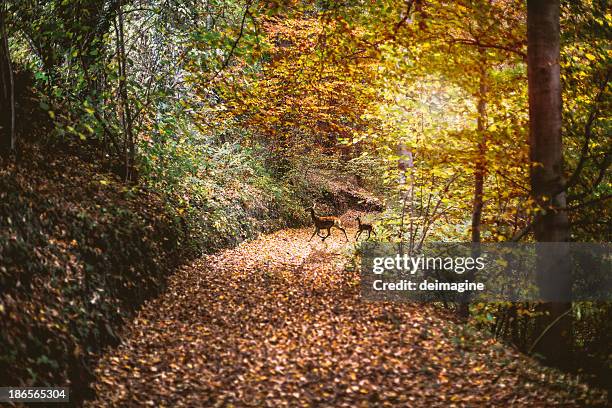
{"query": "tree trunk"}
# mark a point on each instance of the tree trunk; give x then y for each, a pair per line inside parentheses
(480, 168)
(129, 148)
(7, 90)
(480, 165)
(547, 184)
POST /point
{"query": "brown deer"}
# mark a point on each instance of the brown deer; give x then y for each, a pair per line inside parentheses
(325, 223)
(364, 227)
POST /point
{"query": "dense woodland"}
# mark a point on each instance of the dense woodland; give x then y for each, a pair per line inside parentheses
(137, 135)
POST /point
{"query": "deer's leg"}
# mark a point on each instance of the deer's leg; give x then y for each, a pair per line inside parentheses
(313, 234)
(328, 234)
(373, 232)
(357, 235)
(369, 233)
(343, 230)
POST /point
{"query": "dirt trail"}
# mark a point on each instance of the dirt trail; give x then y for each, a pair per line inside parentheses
(279, 322)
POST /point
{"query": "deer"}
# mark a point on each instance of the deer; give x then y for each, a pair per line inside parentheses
(325, 223)
(364, 227)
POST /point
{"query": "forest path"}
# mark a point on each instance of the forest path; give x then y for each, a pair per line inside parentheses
(279, 322)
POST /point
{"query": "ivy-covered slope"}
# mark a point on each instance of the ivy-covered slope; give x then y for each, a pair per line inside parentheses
(78, 252)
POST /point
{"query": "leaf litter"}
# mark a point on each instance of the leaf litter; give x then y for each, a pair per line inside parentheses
(279, 322)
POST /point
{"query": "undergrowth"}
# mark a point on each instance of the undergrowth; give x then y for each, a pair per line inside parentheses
(81, 250)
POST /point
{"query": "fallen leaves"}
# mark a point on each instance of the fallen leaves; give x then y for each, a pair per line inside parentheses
(279, 322)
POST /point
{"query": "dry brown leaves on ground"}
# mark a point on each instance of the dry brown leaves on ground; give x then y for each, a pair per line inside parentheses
(279, 322)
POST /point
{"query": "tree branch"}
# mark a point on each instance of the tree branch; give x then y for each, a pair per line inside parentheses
(236, 41)
(603, 170)
(479, 44)
(588, 133)
(590, 202)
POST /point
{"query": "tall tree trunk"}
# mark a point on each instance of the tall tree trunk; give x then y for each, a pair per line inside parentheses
(126, 114)
(480, 165)
(405, 162)
(7, 92)
(547, 184)
(480, 169)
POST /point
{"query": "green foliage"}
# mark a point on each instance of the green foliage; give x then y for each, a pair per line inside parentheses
(224, 190)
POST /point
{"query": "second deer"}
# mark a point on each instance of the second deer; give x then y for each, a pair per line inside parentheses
(325, 223)
(364, 227)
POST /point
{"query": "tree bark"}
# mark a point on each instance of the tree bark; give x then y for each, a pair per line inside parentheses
(129, 150)
(480, 169)
(7, 92)
(480, 165)
(547, 184)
